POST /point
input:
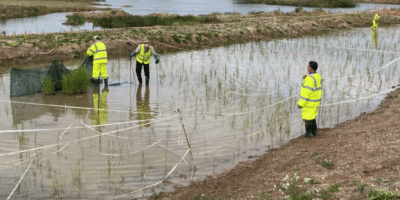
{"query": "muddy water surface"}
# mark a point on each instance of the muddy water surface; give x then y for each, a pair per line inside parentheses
(234, 102)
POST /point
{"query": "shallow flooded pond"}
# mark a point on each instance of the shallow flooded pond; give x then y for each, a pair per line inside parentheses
(234, 102)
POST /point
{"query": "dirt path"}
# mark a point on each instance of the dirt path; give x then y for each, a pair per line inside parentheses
(363, 155)
(235, 28)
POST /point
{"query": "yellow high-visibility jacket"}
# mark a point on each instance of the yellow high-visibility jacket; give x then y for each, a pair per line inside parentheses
(310, 96)
(143, 57)
(99, 52)
(375, 25)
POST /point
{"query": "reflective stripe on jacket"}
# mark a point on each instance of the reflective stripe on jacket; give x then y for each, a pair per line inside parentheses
(310, 96)
(144, 57)
(99, 52)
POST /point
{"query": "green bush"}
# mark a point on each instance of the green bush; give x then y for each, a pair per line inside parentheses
(77, 82)
(75, 19)
(346, 3)
(48, 86)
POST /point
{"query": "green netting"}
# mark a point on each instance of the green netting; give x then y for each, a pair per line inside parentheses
(29, 81)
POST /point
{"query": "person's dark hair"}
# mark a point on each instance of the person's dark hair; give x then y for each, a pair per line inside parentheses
(313, 65)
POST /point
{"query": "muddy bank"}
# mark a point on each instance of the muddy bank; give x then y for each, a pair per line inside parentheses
(234, 29)
(345, 162)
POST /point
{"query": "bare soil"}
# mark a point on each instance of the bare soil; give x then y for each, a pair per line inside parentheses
(364, 151)
(235, 28)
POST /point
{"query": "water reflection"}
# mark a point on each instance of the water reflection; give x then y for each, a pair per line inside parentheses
(99, 115)
(27, 112)
(143, 106)
(375, 38)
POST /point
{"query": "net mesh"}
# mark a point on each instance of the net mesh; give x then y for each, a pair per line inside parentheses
(29, 81)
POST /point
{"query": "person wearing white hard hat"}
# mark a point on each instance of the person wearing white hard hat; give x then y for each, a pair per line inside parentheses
(99, 52)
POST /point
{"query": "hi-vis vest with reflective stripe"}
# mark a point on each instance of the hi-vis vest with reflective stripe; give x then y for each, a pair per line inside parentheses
(311, 91)
(142, 56)
(99, 52)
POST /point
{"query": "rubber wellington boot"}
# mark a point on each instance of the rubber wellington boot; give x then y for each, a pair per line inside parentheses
(147, 81)
(106, 82)
(96, 82)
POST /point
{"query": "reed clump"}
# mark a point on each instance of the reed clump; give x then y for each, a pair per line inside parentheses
(76, 82)
(139, 21)
(75, 19)
(48, 86)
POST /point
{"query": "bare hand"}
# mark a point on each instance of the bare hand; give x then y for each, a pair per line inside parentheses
(299, 107)
(304, 76)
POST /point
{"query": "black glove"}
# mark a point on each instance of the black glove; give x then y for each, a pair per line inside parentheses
(133, 53)
(157, 59)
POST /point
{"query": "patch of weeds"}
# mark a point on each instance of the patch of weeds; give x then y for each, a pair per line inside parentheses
(188, 36)
(241, 32)
(161, 39)
(155, 195)
(335, 187)
(199, 38)
(361, 187)
(271, 172)
(48, 86)
(264, 195)
(207, 35)
(392, 96)
(311, 181)
(87, 40)
(379, 180)
(142, 30)
(216, 35)
(326, 164)
(382, 194)
(296, 169)
(176, 38)
(151, 37)
(77, 53)
(228, 37)
(296, 192)
(325, 194)
(354, 182)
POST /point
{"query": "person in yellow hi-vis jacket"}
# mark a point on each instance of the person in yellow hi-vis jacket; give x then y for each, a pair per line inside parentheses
(143, 106)
(99, 116)
(375, 25)
(143, 55)
(99, 52)
(310, 98)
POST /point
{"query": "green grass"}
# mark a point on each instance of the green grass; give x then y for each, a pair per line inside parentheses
(326, 164)
(77, 82)
(48, 86)
(335, 187)
(75, 19)
(308, 3)
(176, 38)
(382, 195)
(139, 21)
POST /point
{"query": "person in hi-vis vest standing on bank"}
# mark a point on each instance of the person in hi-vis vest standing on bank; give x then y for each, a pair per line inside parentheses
(99, 52)
(143, 55)
(310, 98)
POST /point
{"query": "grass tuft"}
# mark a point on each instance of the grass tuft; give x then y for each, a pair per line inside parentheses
(77, 82)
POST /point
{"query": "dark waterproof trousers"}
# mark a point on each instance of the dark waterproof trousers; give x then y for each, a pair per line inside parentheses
(139, 72)
(311, 127)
